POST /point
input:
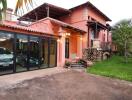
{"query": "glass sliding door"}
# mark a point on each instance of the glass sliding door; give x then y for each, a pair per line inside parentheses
(53, 53)
(34, 52)
(44, 53)
(19, 52)
(22, 53)
(6, 53)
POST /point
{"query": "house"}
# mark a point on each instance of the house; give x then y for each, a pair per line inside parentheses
(52, 35)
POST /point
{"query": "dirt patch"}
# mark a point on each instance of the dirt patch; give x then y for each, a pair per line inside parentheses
(71, 85)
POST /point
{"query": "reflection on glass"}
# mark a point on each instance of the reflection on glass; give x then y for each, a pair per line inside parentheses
(53, 53)
(27, 51)
(6, 53)
(21, 53)
(44, 53)
(34, 53)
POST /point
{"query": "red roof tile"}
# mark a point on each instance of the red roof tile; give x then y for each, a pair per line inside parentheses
(15, 25)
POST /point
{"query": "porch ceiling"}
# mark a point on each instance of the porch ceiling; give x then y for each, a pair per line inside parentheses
(99, 25)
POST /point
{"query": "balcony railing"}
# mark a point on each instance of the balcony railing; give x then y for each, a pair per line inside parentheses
(105, 46)
(102, 45)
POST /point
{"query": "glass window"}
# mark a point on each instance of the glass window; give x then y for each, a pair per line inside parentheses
(6, 53)
(44, 53)
(67, 48)
(34, 52)
(22, 55)
(53, 45)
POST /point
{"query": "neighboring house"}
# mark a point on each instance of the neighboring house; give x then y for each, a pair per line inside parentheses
(52, 35)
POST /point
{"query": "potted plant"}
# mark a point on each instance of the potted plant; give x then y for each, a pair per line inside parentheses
(67, 64)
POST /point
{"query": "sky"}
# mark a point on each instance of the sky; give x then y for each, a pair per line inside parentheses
(116, 10)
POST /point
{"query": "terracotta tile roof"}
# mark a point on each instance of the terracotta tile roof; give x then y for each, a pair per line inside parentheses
(40, 30)
(14, 25)
(62, 24)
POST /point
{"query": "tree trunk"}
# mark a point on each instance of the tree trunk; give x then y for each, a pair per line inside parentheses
(125, 51)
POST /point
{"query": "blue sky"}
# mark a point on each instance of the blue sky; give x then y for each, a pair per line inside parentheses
(114, 9)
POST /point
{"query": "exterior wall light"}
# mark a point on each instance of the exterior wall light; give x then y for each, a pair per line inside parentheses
(81, 38)
(68, 34)
(63, 35)
(58, 40)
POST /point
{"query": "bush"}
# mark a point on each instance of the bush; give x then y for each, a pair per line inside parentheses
(67, 64)
(83, 62)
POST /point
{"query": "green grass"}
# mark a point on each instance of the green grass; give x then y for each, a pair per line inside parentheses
(113, 67)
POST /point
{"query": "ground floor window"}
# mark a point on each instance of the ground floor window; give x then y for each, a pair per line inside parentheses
(67, 48)
(19, 52)
(53, 50)
(6, 53)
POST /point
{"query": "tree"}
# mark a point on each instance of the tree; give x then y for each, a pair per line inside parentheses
(20, 4)
(3, 8)
(122, 36)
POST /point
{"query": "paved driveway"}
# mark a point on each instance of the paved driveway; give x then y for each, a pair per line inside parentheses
(69, 85)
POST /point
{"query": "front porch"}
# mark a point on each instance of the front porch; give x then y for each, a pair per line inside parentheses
(70, 46)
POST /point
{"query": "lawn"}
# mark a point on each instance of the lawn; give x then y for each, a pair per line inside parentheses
(113, 67)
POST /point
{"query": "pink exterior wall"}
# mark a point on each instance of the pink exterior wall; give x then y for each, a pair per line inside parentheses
(77, 18)
(43, 25)
(94, 14)
(75, 46)
(103, 33)
(74, 38)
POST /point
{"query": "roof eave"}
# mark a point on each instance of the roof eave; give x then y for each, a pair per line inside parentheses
(89, 3)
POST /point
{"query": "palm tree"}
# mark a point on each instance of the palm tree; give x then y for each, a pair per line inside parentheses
(3, 8)
(20, 4)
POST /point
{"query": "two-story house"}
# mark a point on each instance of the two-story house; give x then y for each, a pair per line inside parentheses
(52, 35)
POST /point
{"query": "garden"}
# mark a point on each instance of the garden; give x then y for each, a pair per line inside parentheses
(114, 67)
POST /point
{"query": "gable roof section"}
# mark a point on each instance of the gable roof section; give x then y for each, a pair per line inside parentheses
(62, 24)
(41, 12)
(91, 5)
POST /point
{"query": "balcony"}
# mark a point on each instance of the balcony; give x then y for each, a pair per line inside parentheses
(106, 46)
